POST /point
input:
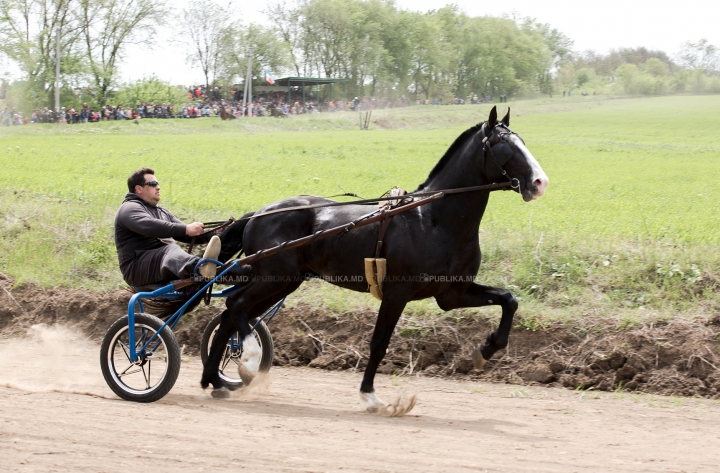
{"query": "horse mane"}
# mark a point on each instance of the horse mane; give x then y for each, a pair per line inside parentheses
(457, 144)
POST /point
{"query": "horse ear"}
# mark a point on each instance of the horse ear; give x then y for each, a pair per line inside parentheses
(493, 119)
(506, 118)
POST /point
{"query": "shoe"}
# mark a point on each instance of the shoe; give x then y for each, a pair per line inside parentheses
(211, 251)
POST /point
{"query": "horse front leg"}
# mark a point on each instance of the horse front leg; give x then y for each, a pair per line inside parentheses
(390, 311)
(476, 295)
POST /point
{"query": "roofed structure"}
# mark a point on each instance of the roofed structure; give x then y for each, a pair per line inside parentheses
(291, 82)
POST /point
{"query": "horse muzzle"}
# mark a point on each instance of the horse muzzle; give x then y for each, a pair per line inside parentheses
(532, 189)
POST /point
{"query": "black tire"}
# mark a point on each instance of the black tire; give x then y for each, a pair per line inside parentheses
(126, 378)
(229, 363)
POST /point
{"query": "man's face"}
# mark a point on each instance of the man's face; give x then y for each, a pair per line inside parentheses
(148, 193)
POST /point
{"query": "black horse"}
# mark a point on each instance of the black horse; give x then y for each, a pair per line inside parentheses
(431, 251)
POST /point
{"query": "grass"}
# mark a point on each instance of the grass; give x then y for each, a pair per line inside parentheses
(628, 227)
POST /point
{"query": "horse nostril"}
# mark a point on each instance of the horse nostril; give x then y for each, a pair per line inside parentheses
(540, 184)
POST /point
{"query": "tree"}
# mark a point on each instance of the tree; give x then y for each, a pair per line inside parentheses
(559, 46)
(287, 23)
(496, 56)
(606, 65)
(28, 38)
(701, 55)
(107, 27)
(428, 57)
(268, 51)
(340, 39)
(329, 32)
(208, 26)
(395, 26)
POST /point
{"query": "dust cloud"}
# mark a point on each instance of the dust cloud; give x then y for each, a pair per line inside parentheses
(54, 358)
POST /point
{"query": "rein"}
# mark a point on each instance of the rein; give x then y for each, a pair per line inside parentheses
(503, 186)
(211, 227)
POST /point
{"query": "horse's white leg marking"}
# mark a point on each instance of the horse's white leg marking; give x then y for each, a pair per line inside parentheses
(249, 365)
(369, 402)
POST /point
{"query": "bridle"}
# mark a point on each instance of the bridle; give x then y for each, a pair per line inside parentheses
(501, 152)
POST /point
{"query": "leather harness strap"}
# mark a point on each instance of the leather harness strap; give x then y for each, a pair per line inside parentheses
(502, 186)
(384, 221)
(210, 227)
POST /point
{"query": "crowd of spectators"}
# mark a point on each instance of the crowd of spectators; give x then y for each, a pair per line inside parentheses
(207, 102)
(12, 117)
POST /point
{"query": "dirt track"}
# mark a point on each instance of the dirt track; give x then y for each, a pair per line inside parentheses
(58, 415)
(672, 357)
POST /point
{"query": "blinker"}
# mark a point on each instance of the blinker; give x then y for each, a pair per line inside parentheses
(501, 153)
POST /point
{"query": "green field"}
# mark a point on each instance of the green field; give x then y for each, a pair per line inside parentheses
(629, 223)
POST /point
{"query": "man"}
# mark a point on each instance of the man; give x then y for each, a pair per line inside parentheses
(145, 236)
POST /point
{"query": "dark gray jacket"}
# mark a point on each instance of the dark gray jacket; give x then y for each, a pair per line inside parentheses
(140, 227)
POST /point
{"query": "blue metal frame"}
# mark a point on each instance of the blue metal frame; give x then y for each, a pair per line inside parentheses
(169, 292)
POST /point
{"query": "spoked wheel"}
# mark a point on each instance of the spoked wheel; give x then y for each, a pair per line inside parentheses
(154, 373)
(230, 361)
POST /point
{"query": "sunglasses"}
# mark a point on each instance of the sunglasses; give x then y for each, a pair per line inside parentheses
(152, 184)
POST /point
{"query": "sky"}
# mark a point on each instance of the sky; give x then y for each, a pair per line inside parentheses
(599, 26)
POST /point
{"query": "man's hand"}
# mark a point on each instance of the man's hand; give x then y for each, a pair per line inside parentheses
(194, 229)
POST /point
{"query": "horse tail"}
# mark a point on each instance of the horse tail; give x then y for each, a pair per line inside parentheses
(232, 238)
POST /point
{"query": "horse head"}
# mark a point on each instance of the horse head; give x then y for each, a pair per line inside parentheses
(507, 158)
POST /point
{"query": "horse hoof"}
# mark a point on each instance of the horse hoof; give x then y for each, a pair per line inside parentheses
(373, 405)
(478, 360)
(245, 375)
(370, 403)
(220, 393)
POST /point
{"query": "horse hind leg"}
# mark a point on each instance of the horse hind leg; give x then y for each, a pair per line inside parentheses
(235, 319)
(249, 364)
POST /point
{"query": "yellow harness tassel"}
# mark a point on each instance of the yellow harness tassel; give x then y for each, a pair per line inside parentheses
(375, 271)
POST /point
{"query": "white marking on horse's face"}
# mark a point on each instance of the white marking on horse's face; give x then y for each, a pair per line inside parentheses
(539, 179)
(251, 355)
(369, 402)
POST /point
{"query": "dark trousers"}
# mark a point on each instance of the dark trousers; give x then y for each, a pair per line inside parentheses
(161, 264)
